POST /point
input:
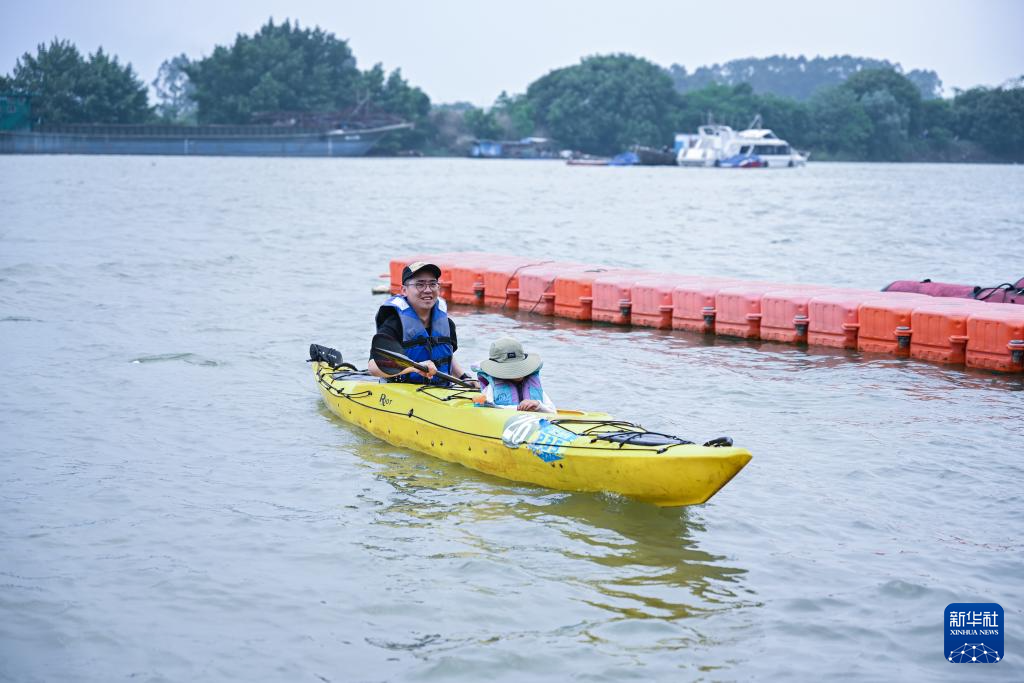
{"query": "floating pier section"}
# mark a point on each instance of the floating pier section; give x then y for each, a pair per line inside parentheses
(953, 331)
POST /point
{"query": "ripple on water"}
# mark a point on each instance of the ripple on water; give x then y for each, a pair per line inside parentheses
(190, 358)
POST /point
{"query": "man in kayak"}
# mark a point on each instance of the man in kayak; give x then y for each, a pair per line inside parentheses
(510, 378)
(418, 320)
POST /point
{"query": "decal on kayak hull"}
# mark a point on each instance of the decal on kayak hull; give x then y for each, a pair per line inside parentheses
(544, 439)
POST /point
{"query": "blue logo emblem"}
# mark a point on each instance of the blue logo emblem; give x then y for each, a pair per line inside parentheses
(544, 438)
(550, 440)
(974, 632)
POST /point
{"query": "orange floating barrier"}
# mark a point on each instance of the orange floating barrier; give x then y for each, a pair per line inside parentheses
(446, 261)
(468, 282)
(995, 338)
(501, 282)
(465, 265)
(943, 329)
(832, 320)
(613, 295)
(652, 299)
(785, 315)
(885, 322)
(693, 303)
(465, 276)
(536, 291)
(738, 308)
(939, 330)
(574, 291)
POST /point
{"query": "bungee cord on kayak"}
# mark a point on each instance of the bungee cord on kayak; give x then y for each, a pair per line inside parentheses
(623, 433)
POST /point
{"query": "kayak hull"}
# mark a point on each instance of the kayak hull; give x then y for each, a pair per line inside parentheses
(564, 451)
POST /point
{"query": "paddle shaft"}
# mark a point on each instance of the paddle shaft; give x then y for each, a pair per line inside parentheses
(405, 361)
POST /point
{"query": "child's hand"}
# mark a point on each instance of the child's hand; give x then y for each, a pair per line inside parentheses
(529, 404)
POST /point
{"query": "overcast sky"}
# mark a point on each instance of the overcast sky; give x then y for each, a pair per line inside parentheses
(464, 50)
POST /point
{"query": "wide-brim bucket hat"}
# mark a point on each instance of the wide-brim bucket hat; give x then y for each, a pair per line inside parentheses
(507, 360)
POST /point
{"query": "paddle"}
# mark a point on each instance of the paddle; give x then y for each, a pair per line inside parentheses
(387, 354)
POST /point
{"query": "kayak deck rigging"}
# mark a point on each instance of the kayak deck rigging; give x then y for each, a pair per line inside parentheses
(623, 433)
(569, 450)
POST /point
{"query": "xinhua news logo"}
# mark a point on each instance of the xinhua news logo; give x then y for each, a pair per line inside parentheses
(974, 633)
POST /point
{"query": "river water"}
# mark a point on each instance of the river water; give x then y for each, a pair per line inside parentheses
(177, 504)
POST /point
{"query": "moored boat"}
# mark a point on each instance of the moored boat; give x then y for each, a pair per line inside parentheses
(276, 133)
(180, 140)
(755, 147)
(1005, 293)
(570, 450)
(649, 156)
(588, 161)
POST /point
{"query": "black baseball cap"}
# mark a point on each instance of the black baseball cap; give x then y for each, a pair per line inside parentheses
(416, 267)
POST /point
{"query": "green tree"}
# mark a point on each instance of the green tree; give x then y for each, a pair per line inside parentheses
(448, 131)
(282, 67)
(790, 119)
(174, 91)
(733, 106)
(893, 104)
(510, 118)
(606, 103)
(514, 115)
(482, 124)
(67, 88)
(795, 77)
(737, 105)
(994, 118)
(392, 96)
(937, 122)
(839, 125)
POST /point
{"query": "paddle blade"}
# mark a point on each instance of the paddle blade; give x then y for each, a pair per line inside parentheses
(325, 354)
(387, 354)
(388, 366)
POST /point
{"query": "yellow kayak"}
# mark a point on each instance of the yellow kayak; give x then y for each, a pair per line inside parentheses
(569, 451)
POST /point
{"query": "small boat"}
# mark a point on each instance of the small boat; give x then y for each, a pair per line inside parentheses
(625, 159)
(1005, 293)
(649, 156)
(709, 147)
(588, 161)
(569, 450)
(755, 147)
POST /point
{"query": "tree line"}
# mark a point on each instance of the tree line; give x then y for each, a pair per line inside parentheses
(838, 108)
(797, 78)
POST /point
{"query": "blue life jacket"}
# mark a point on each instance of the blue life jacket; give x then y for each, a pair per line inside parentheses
(420, 345)
(507, 393)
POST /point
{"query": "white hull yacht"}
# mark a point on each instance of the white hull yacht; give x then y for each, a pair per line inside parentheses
(754, 147)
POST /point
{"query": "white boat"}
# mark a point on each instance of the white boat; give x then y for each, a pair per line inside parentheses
(709, 147)
(754, 147)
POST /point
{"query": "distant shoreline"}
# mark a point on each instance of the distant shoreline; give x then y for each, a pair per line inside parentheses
(427, 156)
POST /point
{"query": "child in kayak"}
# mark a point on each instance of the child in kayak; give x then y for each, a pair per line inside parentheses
(510, 378)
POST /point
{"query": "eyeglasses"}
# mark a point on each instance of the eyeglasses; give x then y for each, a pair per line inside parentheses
(422, 285)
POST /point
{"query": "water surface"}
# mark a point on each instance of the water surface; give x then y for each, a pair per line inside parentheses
(176, 502)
